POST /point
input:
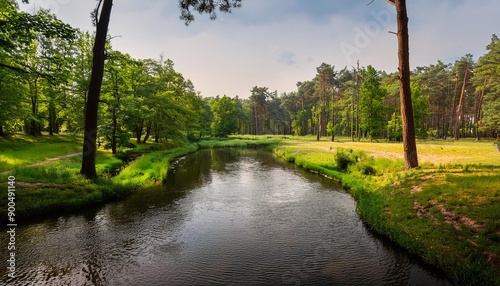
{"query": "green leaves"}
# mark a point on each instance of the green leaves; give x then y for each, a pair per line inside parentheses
(487, 80)
(206, 7)
(372, 108)
(225, 116)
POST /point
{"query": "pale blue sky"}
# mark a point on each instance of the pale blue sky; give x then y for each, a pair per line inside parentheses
(275, 43)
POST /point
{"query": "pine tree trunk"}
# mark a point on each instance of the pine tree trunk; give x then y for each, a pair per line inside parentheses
(478, 108)
(409, 144)
(459, 112)
(90, 136)
(319, 127)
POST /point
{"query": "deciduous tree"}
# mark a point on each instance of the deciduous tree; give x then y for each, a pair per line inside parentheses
(102, 15)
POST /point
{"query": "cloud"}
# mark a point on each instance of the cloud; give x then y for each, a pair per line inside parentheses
(287, 57)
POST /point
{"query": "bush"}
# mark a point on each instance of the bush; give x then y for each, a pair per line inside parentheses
(366, 168)
(343, 160)
(346, 157)
(354, 161)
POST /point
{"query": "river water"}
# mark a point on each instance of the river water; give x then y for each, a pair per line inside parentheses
(224, 217)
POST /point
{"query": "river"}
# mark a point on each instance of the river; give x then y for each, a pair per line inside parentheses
(224, 217)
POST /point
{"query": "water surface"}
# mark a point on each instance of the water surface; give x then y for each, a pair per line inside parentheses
(224, 217)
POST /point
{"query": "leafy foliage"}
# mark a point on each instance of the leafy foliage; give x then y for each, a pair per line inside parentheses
(206, 6)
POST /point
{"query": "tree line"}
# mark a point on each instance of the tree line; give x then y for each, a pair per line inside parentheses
(44, 86)
(45, 73)
(454, 100)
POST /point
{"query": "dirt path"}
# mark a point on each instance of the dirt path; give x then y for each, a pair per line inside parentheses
(47, 161)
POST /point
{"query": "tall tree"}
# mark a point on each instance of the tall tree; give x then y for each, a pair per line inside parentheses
(371, 104)
(324, 90)
(102, 15)
(101, 22)
(487, 81)
(409, 144)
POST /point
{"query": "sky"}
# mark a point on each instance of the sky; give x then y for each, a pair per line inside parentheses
(277, 43)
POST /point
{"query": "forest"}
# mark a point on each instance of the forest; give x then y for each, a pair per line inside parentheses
(44, 80)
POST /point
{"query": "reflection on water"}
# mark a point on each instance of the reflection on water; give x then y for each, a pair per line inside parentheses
(227, 217)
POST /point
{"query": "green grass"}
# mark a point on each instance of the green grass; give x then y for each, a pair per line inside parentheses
(243, 141)
(151, 167)
(452, 197)
(22, 150)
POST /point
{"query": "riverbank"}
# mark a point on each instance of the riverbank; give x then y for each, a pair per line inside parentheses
(447, 211)
(58, 188)
(447, 214)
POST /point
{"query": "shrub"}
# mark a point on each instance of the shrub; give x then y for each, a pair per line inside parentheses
(343, 160)
(366, 168)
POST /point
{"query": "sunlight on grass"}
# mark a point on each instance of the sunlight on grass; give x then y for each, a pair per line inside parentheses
(22, 150)
(431, 151)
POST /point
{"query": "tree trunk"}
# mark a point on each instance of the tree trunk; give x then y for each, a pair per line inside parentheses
(1, 131)
(358, 129)
(52, 118)
(148, 132)
(477, 110)
(319, 127)
(34, 111)
(90, 136)
(138, 131)
(114, 129)
(410, 147)
(459, 112)
(256, 120)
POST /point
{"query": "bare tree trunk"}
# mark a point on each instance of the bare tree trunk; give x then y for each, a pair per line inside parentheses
(458, 114)
(89, 143)
(478, 104)
(454, 106)
(319, 127)
(358, 129)
(410, 147)
(256, 121)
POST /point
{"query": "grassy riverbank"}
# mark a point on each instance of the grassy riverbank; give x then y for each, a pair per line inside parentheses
(57, 187)
(447, 211)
